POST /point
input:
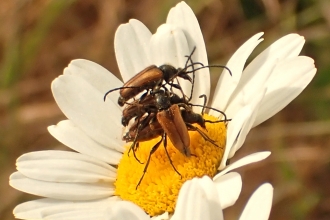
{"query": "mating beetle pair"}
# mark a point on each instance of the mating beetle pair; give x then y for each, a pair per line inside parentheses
(159, 111)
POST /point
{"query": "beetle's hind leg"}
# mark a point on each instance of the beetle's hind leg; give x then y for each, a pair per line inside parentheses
(135, 145)
(171, 162)
(153, 149)
(207, 138)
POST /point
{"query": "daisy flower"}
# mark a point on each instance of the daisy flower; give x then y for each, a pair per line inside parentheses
(92, 182)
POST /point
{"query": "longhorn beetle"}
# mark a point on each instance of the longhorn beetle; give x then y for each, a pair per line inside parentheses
(152, 77)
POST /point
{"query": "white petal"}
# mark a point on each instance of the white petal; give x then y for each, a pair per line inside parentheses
(99, 77)
(56, 190)
(252, 110)
(163, 216)
(239, 128)
(169, 46)
(260, 203)
(286, 47)
(229, 187)
(183, 17)
(83, 104)
(131, 46)
(94, 214)
(70, 135)
(51, 208)
(257, 73)
(233, 132)
(126, 210)
(289, 79)
(252, 158)
(64, 166)
(227, 83)
(198, 199)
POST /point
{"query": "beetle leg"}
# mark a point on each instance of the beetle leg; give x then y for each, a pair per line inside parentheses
(134, 141)
(153, 149)
(134, 145)
(193, 128)
(185, 106)
(171, 162)
(137, 145)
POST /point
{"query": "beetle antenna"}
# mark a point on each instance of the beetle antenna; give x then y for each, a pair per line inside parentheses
(193, 79)
(183, 95)
(220, 66)
(217, 110)
(115, 89)
(191, 65)
(189, 57)
(183, 70)
(205, 100)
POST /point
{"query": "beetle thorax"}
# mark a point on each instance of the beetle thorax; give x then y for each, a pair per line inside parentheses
(168, 72)
(162, 101)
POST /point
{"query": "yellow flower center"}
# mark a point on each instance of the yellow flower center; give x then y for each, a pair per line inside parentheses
(159, 188)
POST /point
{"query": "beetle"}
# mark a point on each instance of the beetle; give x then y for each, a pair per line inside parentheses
(151, 77)
(155, 77)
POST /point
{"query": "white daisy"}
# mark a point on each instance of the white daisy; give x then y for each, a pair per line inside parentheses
(83, 185)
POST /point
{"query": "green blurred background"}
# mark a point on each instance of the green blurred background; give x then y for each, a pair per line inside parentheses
(39, 38)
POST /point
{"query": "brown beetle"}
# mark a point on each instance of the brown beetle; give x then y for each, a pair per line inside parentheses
(148, 79)
(153, 77)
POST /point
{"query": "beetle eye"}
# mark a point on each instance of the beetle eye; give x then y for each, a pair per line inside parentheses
(121, 101)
